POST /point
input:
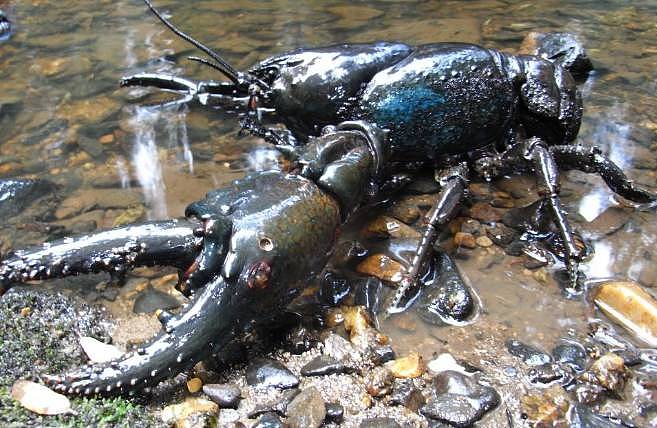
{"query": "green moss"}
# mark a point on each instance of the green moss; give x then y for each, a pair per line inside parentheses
(46, 341)
(97, 412)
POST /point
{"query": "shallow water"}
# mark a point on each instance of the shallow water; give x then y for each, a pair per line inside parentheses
(64, 118)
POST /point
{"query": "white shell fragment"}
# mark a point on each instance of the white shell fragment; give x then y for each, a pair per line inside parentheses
(629, 305)
(445, 362)
(40, 399)
(99, 352)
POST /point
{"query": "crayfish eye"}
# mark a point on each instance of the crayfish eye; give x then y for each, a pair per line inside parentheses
(266, 244)
(258, 275)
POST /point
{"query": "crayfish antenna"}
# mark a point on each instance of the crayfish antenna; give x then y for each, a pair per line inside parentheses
(221, 64)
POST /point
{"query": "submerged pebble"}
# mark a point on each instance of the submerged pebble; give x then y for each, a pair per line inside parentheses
(445, 298)
(583, 417)
(409, 366)
(388, 227)
(151, 299)
(529, 354)
(629, 305)
(571, 353)
(547, 408)
(609, 372)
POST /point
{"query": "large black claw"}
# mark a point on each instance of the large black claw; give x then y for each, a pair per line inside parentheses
(168, 243)
(201, 330)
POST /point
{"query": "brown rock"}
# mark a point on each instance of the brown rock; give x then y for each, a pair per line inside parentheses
(106, 139)
(194, 385)
(90, 110)
(466, 240)
(409, 366)
(547, 408)
(382, 267)
(388, 227)
(406, 213)
(502, 203)
(629, 305)
(181, 414)
(91, 199)
(608, 222)
(306, 410)
(610, 372)
(485, 213)
(378, 381)
(484, 241)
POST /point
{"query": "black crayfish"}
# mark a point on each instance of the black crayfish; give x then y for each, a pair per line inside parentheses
(361, 120)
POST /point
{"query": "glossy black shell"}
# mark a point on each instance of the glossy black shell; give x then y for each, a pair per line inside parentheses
(312, 88)
(443, 98)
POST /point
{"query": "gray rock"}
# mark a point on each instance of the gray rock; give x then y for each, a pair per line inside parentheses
(227, 396)
(323, 365)
(460, 401)
(456, 410)
(445, 297)
(267, 372)
(334, 413)
(269, 420)
(150, 300)
(307, 410)
(571, 353)
(529, 354)
(404, 393)
(583, 417)
(550, 372)
(379, 423)
(16, 194)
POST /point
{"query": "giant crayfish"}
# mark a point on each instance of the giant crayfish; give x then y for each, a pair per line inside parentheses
(361, 119)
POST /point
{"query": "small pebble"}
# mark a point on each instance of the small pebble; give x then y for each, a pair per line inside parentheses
(227, 396)
(269, 420)
(379, 423)
(323, 365)
(267, 372)
(194, 385)
(484, 241)
(307, 410)
(409, 366)
(466, 240)
(334, 413)
(610, 372)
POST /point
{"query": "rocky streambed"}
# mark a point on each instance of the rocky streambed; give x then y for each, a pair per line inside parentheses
(334, 360)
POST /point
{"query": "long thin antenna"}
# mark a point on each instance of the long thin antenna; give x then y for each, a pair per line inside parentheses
(207, 62)
(224, 67)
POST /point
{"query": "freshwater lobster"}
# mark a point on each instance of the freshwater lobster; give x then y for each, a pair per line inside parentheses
(362, 118)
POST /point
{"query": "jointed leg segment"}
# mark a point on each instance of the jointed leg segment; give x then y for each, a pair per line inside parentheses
(454, 182)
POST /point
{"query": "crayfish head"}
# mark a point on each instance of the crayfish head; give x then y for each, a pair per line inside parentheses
(269, 233)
